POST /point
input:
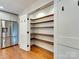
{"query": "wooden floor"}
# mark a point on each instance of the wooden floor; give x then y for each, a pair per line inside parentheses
(16, 53)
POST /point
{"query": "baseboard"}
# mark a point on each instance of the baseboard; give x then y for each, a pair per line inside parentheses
(9, 46)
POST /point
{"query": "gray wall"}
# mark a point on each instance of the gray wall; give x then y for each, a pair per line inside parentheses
(67, 29)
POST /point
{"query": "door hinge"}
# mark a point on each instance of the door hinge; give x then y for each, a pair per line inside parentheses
(62, 8)
(27, 45)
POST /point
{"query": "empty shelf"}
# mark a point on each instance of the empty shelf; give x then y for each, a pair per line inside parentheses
(42, 22)
(43, 40)
(42, 34)
(43, 17)
(44, 27)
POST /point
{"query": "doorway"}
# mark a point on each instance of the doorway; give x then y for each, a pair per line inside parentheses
(8, 33)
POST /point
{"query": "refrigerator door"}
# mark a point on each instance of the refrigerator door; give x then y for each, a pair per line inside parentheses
(14, 33)
(6, 37)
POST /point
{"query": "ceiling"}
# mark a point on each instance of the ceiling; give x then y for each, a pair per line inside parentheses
(16, 6)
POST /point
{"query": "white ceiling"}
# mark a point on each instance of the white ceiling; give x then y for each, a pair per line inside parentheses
(16, 6)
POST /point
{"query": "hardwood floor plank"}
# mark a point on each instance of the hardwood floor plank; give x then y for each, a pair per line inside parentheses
(16, 53)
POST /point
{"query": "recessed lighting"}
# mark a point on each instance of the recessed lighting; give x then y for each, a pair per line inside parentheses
(1, 7)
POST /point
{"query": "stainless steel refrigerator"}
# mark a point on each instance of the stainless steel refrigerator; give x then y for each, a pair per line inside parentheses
(8, 33)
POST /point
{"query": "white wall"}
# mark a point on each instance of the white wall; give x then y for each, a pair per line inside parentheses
(66, 27)
(8, 16)
(67, 23)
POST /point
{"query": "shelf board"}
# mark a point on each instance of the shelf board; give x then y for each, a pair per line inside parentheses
(52, 43)
(42, 34)
(43, 17)
(44, 27)
(42, 22)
